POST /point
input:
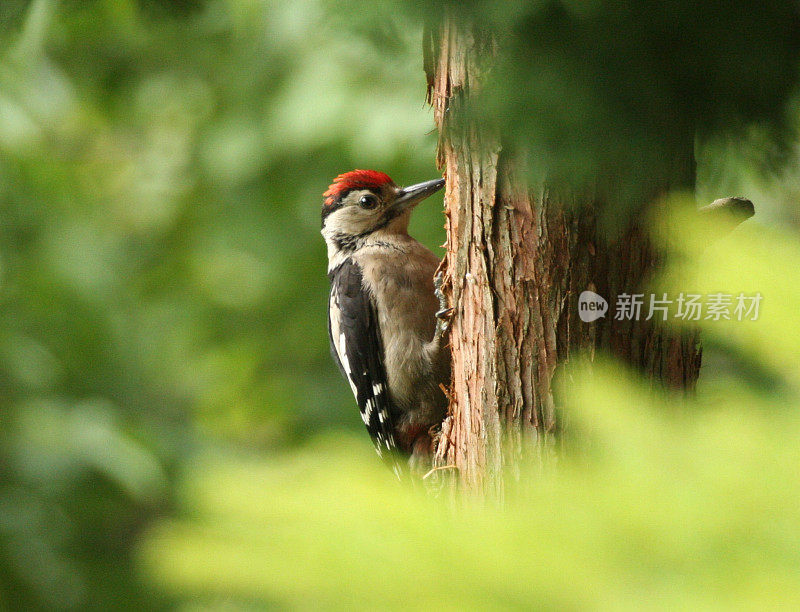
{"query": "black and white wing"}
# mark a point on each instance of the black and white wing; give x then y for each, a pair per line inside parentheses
(357, 347)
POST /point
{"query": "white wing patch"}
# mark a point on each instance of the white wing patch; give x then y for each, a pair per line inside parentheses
(369, 406)
(341, 346)
(342, 350)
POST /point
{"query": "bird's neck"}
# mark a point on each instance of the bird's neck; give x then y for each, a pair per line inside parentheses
(341, 247)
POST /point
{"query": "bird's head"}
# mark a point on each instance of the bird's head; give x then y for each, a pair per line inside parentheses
(361, 202)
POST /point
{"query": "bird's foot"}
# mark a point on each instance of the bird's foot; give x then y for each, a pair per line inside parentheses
(445, 312)
(438, 281)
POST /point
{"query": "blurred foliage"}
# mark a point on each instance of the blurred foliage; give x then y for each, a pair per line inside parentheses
(607, 96)
(163, 349)
(671, 509)
(162, 277)
(756, 165)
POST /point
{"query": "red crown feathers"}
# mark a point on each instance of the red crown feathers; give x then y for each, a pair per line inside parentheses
(356, 179)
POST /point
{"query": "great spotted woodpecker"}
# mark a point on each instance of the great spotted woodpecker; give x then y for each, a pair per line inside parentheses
(387, 317)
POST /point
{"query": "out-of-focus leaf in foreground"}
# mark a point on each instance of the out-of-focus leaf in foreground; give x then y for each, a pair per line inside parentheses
(666, 508)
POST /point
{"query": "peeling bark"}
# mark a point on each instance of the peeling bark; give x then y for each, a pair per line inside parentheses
(516, 262)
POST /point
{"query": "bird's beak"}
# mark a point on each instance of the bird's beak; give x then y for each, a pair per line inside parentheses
(409, 196)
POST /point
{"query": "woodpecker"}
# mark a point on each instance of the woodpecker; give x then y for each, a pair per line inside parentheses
(387, 316)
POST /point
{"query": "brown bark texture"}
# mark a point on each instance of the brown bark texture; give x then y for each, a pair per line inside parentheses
(516, 262)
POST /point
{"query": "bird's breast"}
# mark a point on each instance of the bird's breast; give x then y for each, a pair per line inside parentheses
(402, 286)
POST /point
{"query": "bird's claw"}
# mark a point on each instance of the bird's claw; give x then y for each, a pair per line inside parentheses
(445, 314)
(443, 319)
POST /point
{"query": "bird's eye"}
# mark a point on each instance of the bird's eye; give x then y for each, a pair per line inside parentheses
(368, 201)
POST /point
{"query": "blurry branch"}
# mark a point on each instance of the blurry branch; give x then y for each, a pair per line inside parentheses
(726, 214)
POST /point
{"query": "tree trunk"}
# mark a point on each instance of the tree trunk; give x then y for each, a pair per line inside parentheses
(516, 262)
